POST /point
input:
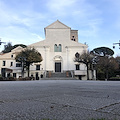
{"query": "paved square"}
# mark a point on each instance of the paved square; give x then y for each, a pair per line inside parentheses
(59, 100)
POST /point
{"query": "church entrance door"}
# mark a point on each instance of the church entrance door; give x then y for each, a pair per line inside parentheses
(57, 66)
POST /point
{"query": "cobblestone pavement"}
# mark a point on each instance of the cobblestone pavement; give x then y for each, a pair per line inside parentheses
(59, 100)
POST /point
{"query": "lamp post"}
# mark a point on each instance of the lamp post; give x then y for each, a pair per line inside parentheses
(1, 42)
(116, 44)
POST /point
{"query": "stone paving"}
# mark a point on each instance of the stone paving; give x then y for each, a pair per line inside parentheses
(59, 100)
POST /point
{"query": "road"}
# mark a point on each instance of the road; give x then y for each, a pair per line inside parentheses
(59, 100)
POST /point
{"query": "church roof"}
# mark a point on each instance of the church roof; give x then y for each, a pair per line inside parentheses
(58, 25)
(17, 48)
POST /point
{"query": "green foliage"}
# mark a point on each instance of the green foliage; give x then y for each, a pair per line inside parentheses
(115, 78)
(102, 51)
(118, 61)
(7, 48)
(7, 79)
(106, 67)
(28, 56)
(1, 78)
(22, 45)
(87, 58)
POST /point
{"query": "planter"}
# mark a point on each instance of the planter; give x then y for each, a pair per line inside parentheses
(67, 73)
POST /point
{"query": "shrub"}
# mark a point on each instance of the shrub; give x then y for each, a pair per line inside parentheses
(25, 79)
(1, 78)
(114, 79)
(10, 79)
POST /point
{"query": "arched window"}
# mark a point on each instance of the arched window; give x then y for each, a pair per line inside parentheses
(77, 55)
(55, 48)
(60, 48)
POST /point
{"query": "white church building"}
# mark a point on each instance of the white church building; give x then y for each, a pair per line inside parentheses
(58, 52)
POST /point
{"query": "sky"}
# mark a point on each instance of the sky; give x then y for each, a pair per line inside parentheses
(97, 21)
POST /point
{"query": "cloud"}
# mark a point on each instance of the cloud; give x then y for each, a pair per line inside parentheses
(38, 36)
(17, 26)
(60, 5)
(21, 23)
(17, 36)
(24, 20)
(78, 12)
(19, 14)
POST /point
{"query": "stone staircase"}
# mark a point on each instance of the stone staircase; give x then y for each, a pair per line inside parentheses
(59, 76)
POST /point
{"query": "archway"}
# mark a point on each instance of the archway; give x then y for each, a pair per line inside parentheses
(57, 63)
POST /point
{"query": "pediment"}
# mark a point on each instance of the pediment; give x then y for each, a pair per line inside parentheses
(57, 25)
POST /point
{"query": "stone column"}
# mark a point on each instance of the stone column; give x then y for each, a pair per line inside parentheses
(67, 54)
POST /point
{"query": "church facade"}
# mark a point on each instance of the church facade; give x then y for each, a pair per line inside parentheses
(58, 52)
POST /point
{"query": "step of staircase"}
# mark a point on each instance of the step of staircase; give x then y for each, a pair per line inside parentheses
(59, 76)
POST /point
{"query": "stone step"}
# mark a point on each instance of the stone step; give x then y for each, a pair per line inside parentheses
(58, 75)
(58, 78)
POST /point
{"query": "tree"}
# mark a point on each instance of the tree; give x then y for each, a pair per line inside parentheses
(27, 57)
(22, 45)
(102, 51)
(118, 61)
(87, 58)
(104, 61)
(7, 48)
(106, 67)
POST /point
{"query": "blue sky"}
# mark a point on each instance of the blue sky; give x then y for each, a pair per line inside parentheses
(98, 21)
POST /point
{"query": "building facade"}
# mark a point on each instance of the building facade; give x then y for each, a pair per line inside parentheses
(58, 52)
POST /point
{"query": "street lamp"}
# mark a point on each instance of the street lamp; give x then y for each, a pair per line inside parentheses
(1, 42)
(115, 44)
